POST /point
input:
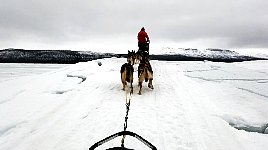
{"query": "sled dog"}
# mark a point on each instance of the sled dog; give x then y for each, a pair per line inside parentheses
(138, 56)
(145, 72)
(131, 56)
(127, 75)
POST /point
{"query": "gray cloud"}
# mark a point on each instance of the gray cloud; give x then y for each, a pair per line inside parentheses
(230, 24)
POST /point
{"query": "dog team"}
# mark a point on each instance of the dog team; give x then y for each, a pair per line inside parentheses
(145, 72)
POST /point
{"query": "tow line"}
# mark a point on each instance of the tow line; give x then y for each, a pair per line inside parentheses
(124, 133)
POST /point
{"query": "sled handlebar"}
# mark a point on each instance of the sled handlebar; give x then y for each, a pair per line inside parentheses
(109, 138)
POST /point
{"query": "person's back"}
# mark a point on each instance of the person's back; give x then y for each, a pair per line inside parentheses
(143, 38)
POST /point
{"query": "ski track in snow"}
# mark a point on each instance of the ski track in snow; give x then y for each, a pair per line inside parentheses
(74, 114)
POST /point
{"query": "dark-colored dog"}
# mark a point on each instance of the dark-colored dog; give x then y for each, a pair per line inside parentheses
(127, 75)
(145, 72)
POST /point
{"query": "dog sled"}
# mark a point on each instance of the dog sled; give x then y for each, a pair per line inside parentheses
(144, 47)
(143, 50)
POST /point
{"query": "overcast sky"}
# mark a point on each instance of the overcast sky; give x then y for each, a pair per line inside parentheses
(114, 24)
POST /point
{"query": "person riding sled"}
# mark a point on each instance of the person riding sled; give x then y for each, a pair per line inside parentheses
(143, 41)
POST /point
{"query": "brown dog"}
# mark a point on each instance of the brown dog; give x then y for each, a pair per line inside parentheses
(145, 72)
(127, 75)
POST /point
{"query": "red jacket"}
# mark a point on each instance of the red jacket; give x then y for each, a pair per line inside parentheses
(142, 37)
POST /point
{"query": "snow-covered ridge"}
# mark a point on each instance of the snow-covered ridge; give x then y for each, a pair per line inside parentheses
(169, 54)
(212, 54)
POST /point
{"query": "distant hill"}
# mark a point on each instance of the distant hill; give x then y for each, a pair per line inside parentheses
(48, 56)
(71, 57)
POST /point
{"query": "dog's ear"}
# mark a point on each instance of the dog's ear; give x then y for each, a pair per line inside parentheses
(128, 51)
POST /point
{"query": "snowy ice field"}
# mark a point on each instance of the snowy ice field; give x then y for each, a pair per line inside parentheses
(194, 106)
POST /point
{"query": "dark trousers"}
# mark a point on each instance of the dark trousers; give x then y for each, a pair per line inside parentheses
(143, 47)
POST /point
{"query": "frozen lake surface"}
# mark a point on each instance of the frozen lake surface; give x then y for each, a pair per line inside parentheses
(13, 70)
(194, 105)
